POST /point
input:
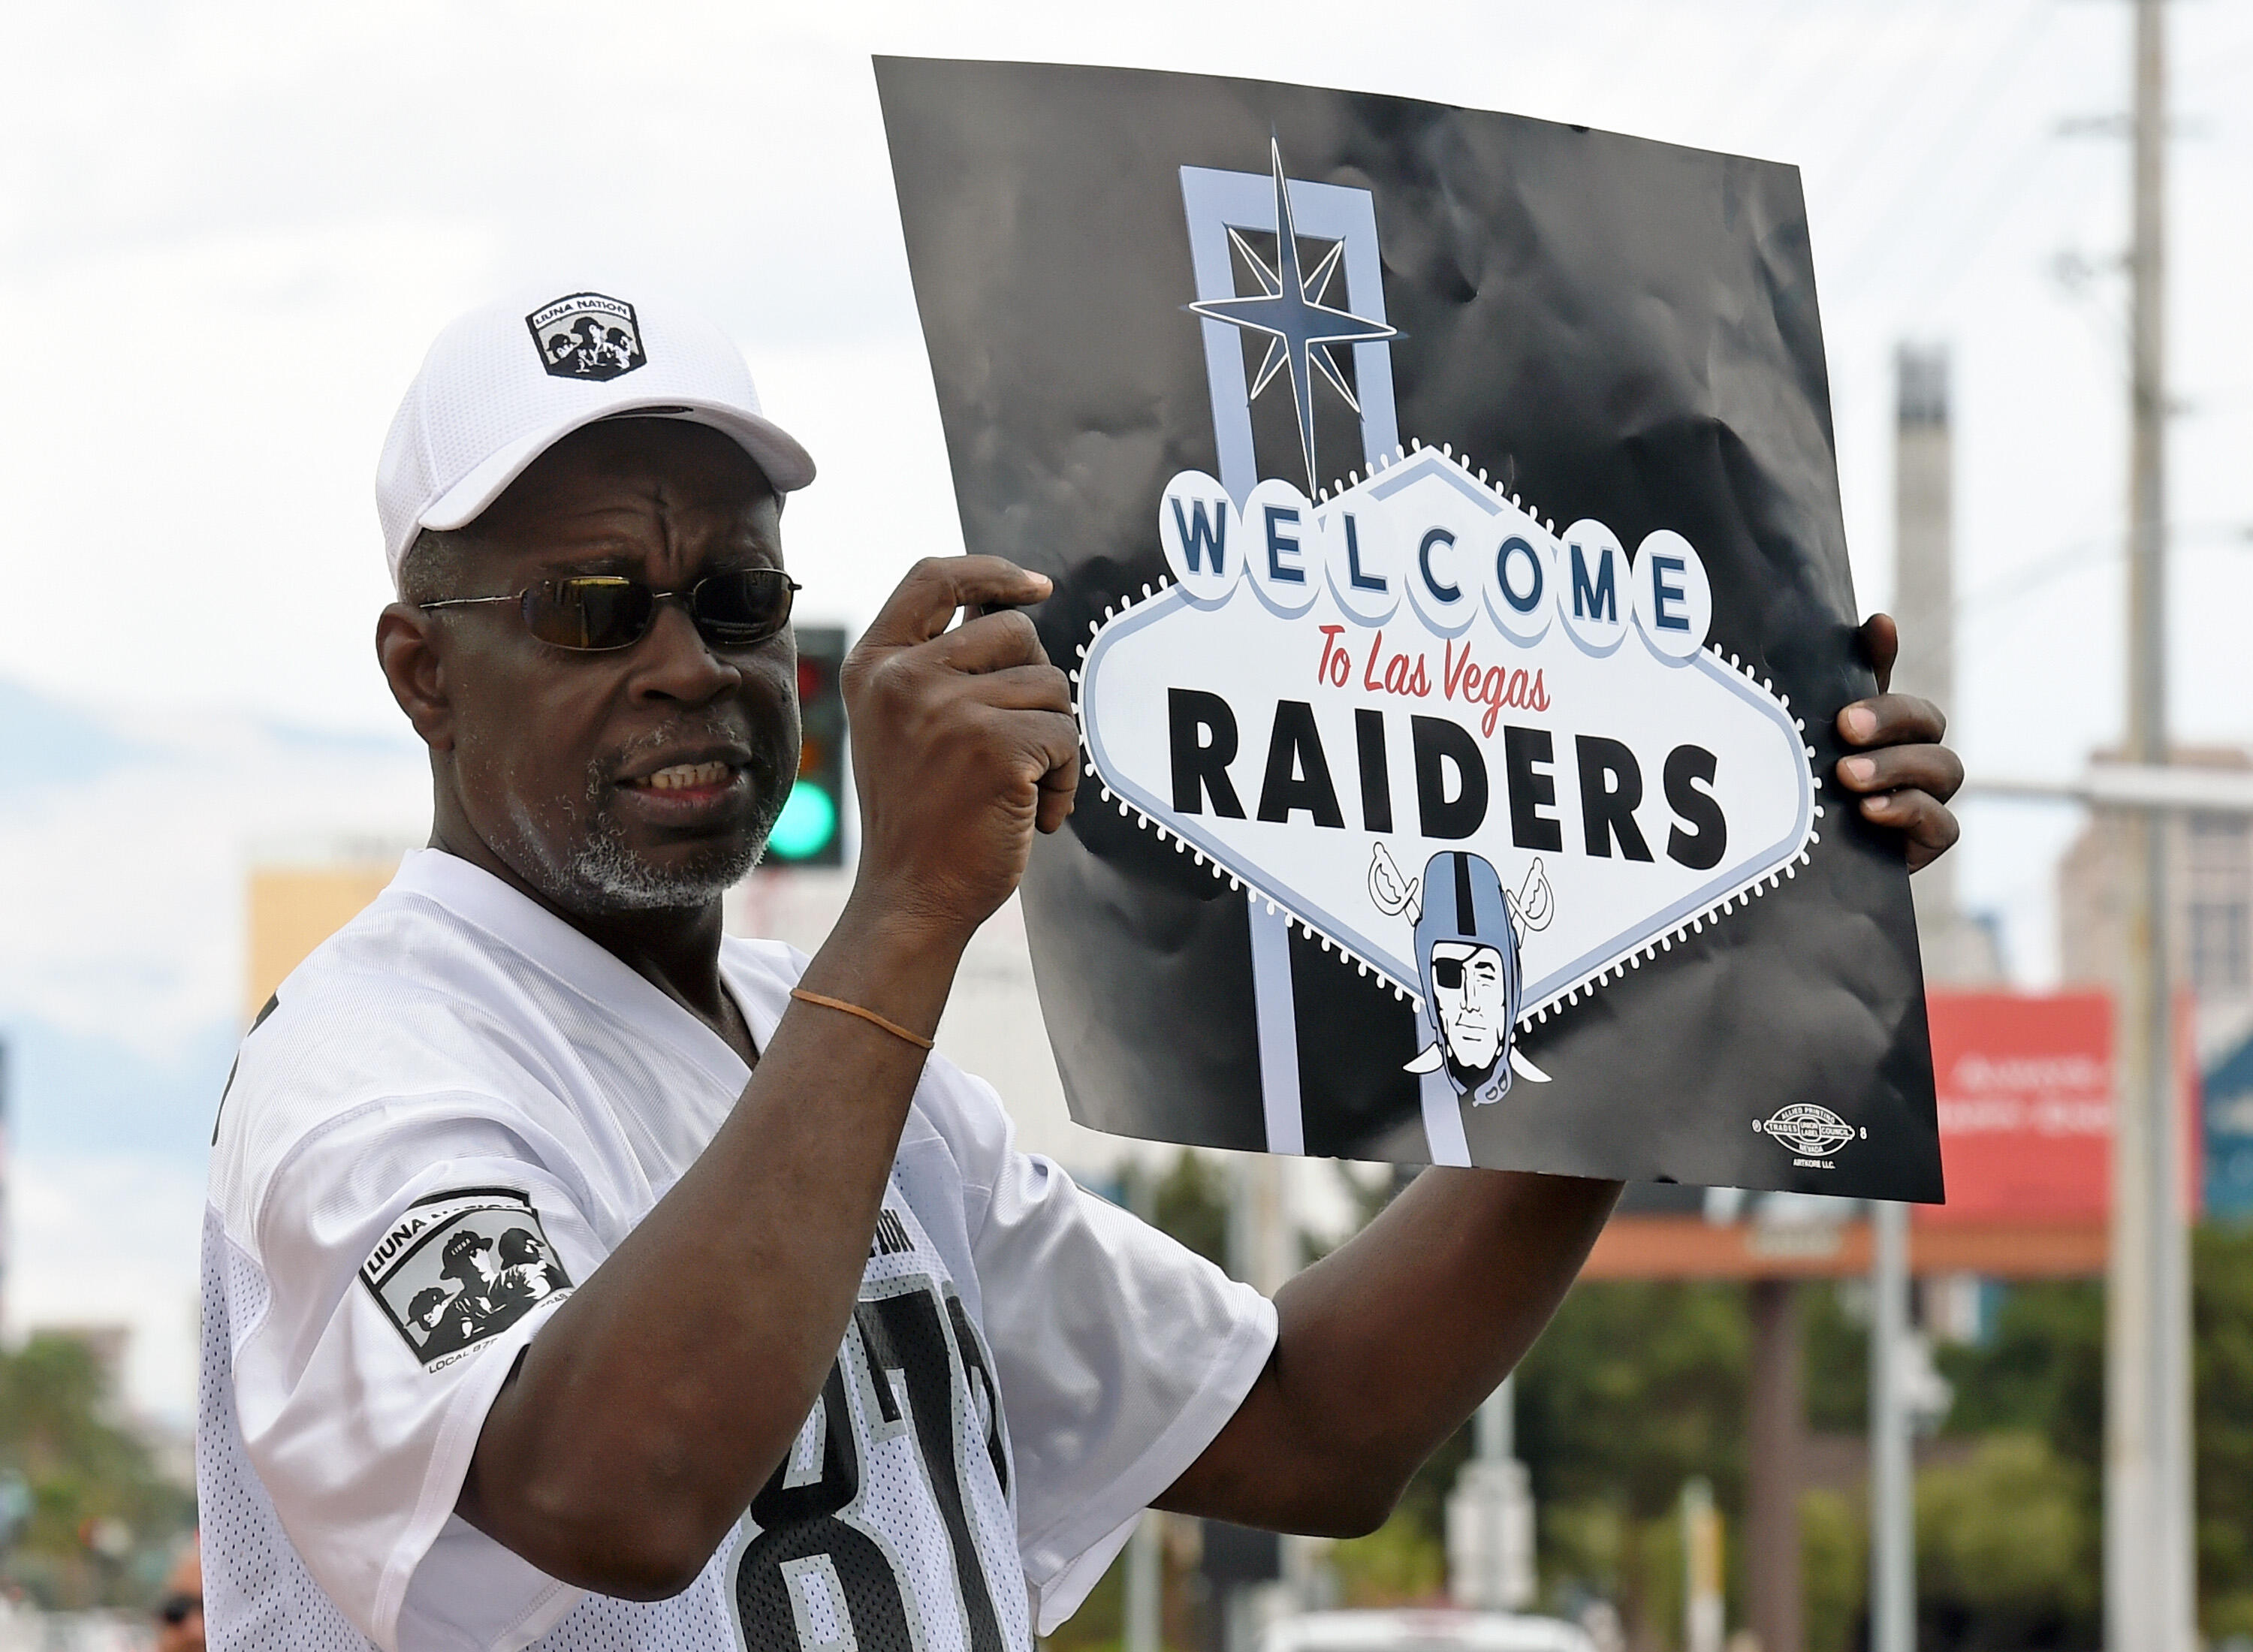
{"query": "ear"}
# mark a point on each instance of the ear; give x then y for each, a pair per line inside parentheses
(407, 647)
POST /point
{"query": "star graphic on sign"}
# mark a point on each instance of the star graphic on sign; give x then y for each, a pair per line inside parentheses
(1289, 310)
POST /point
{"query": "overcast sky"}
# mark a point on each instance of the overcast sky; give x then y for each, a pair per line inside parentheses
(228, 231)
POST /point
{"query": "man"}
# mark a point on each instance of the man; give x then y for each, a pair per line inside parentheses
(180, 1610)
(842, 1368)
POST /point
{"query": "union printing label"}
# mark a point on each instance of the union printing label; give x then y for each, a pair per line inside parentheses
(1810, 1132)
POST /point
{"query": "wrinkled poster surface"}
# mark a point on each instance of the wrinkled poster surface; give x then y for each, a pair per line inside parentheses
(1445, 524)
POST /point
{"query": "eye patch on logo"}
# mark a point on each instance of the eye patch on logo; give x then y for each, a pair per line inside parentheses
(459, 1268)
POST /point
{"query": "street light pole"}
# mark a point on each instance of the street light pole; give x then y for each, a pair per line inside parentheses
(1893, 1518)
(2149, 1580)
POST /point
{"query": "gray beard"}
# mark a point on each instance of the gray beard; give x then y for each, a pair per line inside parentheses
(612, 878)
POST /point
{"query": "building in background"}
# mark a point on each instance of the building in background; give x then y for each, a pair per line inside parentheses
(298, 901)
(2210, 908)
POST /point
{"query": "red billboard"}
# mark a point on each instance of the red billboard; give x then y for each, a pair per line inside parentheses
(2024, 1083)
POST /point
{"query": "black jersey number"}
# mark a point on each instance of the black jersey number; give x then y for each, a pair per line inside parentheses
(905, 1340)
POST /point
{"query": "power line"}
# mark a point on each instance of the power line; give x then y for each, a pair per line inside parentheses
(2084, 553)
(1995, 208)
(1887, 109)
(1726, 92)
(1994, 76)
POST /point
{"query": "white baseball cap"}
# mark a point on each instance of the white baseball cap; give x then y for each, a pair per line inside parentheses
(505, 382)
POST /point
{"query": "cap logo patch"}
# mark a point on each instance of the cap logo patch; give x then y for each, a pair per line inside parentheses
(587, 335)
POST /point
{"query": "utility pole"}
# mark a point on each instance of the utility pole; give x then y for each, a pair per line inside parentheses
(1778, 1423)
(1490, 1515)
(2149, 1578)
(1893, 1510)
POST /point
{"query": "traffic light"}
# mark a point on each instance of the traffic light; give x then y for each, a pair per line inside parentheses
(810, 829)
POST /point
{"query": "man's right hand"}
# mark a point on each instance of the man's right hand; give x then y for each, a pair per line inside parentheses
(963, 745)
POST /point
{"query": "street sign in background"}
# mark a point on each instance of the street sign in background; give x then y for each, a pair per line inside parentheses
(2026, 1093)
(2228, 1135)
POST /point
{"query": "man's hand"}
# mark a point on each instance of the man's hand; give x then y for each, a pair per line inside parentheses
(1908, 776)
(963, 742)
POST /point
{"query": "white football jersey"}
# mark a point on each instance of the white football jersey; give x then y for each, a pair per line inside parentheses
(451, 1114)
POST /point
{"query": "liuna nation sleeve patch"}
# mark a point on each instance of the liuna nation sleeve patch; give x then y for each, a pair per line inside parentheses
(459, 1268)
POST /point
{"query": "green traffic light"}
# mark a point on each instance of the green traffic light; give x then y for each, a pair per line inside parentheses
(807, 822)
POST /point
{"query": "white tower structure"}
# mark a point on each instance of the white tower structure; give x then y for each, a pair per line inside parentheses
(1957, 950)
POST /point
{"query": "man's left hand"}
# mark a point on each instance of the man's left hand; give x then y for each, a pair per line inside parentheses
(1904, 776)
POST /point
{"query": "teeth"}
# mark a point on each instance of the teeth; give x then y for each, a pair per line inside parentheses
(681, 776)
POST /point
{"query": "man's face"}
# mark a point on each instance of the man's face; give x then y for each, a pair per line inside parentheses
(180, 1622)
(645, 777)
(1467, 982)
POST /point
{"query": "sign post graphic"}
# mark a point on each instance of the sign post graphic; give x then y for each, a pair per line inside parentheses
(1444, 520)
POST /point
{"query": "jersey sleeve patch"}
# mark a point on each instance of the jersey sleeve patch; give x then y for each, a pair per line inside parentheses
(459, 1268)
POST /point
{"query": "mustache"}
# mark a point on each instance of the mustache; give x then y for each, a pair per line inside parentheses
(708, 729)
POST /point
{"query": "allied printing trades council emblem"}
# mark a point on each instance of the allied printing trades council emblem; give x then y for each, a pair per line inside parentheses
(587, 335)
(1808, 1129)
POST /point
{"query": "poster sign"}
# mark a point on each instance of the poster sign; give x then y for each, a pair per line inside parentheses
(2026, 1093)
(1446, 525)
(2025, 1086)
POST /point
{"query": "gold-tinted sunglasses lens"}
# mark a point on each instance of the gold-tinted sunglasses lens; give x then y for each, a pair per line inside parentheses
(592, 611)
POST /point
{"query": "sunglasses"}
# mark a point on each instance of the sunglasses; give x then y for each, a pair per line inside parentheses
(176, 1609)
(596, 613)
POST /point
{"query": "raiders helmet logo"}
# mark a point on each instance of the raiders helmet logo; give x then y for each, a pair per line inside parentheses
(587, 335)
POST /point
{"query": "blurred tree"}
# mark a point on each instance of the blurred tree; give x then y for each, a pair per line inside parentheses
(2042, 1371)
(101, 1513)
(1399, 1563)
(1835, 1320)
(1635, 1388)
(2006, 1550)
(1834, 1546)
(2221, 1313)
